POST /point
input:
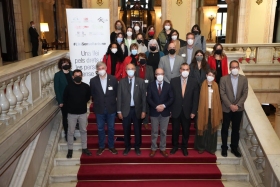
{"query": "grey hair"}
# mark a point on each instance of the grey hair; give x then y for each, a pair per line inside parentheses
(100, 64)
(153, 41)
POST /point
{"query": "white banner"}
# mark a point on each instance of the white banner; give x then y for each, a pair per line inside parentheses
(89, 37)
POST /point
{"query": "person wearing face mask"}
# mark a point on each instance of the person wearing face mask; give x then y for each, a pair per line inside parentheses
(164, 34)
(188, 51)
(131, 107)
(171, 63)
(174, 38)
(184, 107)
(120, 41)
(160, 99)
(129, 38)
(210, 115)
(199, 41)
(61, 80)
(218, 61)
(234, 92)
(104, 89)
(34, 38)
(75, 97)
(146, 73)
(113, 59)
(137, 28)
(119, 28)
(153, 54)
(150, 34)
(132, 59)
(140, 42)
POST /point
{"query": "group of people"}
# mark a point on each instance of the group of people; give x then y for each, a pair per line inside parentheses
(156, 80)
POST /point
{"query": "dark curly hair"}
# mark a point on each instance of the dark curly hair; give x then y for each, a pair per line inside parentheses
(63, 60)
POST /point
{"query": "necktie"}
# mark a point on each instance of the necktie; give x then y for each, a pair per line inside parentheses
(183, 87)
(159, 88)
(130, 83)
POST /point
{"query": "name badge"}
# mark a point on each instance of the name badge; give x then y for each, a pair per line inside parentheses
(146, 81)
(184, 55)
(110, 88)
(211, 90)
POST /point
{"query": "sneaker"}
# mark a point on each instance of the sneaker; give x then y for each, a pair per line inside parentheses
(87, 152)
(113, 151)
(100, 151)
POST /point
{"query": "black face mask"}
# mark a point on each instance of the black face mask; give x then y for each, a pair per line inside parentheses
(172, 51)
(196, 32)
(218, 51)
(142, 61)
(153, 48)
(78, 79)
(66, 67)
(139, 41)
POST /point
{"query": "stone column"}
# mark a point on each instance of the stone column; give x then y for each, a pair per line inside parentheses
(232, 11)
(166, 6)
(277, 120)
(113, 13)
(1, 63)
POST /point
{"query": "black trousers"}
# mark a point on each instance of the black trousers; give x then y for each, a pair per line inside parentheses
(185, 123)
(35, 46)
(131, 117)
(64, 119)
(235, 119)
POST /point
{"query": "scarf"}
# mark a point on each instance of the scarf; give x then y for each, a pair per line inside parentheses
(216, 108)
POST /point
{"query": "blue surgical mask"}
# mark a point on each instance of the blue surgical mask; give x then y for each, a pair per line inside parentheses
(130, 73)
(119, 40)
(134, 51)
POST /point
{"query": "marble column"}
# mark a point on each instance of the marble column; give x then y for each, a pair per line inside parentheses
(231, 29)
(113, 6)
(166, 6)
(277, 120)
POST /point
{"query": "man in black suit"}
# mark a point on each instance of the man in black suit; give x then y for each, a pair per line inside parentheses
(104, 90)
(184, 107)
(160, 98)
(131, 106)
(34, 38)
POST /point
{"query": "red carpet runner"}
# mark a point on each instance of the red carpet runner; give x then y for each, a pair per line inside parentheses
(195, 170)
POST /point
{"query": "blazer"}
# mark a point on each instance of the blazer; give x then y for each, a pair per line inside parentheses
(227, 95)
(189, 103)
(124, 97)
(60, 82)
(149, 74)
(212, 64)
(33, 35)
(107, 100)
(199, 76)
(154, 99)
(164, 63)
(184, 52)
(119, 66)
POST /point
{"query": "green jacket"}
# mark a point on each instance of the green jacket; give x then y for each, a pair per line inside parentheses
(60, 82)
(162, 38)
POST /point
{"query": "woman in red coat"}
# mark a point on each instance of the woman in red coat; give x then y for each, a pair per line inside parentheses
(218, 61)
(113, 59)
(132, 58)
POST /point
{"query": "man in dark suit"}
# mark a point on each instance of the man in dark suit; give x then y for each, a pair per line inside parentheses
(184, 107)
(160, 98)
(131, 106)
(234, 92)
(34, 38)
(104, 90)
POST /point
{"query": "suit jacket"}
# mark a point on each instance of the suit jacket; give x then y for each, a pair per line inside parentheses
(189, 103)
(149, 74)
(164, 63)
(60, 82)
(124, 97)
(227, 94)
(199, 76)
(184, 52)
(107, 100)
(33, 35)
(154, 99)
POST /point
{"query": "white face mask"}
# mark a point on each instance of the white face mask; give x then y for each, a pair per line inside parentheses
(210, 78)
(160, 78)
(114, 50)
(167, 27)
(235, 71)
(130, 73)
(174, 37)
(190, 41)
(128, 33)
(101, 72)
(137, 28)
(185, 74)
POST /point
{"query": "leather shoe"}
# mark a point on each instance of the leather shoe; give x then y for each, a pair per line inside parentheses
(185, 152)
(173, 150)
(224, 153)
(164, 153)
(152, 153)
(69, 154)
(126, 151)
(87, 152)
(236, 152)
(137, 151)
